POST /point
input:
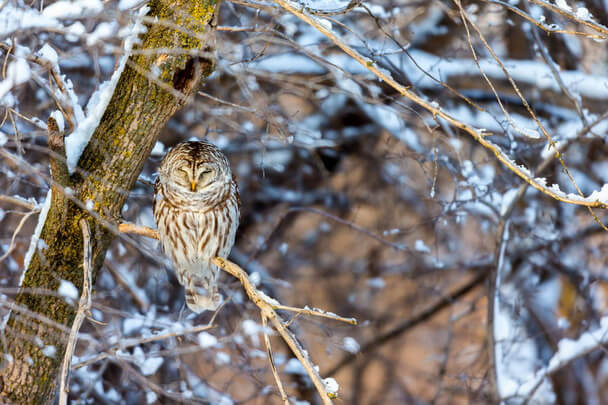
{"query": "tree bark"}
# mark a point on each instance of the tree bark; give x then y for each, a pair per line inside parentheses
(107, 169)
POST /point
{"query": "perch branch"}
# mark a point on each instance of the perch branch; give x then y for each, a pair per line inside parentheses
(127, 227)
(268, 307)
(84, 306)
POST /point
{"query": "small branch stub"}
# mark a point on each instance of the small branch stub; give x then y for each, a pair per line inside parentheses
(59, 168)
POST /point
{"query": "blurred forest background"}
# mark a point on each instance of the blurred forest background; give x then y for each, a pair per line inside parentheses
(465, 281)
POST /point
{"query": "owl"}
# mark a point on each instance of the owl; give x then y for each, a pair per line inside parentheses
(196, 210)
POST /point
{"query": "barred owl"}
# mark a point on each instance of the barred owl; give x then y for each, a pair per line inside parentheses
(196, 210)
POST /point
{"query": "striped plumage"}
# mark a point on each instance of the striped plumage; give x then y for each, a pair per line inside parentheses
(196, 210)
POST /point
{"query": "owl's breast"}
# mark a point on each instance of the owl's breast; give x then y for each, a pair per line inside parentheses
(196, 236)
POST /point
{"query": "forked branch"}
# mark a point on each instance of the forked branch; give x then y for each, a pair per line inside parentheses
(267, 307)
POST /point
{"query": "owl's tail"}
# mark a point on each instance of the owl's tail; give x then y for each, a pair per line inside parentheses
(201, 298)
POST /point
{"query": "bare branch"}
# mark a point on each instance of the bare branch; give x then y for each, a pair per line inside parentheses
(126, 227)
(84, 306)
(267, 311)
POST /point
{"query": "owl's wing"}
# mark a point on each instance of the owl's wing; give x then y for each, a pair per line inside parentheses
(238, 195)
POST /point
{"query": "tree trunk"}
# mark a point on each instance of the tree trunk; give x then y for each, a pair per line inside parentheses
(106, 171)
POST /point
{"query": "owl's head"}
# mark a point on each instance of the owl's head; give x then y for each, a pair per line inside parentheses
(195, 168)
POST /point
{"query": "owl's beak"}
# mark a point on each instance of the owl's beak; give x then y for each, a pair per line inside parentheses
(193, 184)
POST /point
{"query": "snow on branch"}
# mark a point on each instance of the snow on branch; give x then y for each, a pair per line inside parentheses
(568, 351)
(581, 15)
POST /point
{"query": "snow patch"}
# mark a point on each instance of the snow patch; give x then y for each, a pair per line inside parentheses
(293, 366)
(36, 235)
(151, 365)
(13, 19)
(127, 4)
(49, 54)
(351, 345)
(78, 140)
(58, 117)
(206, 340)
(563, 5)
(49, 351)
(73, 9)
(18, 72)
(421, 247)
(67, 289)
(332, 386)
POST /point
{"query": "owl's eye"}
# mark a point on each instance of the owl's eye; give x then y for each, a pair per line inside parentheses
(184, 174)
(205, 176)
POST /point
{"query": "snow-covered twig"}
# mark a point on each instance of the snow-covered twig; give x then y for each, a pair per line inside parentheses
(311, 312)
(568, 351)
(554, 147)
(335, 11)
(84, 307)
(549, 29)
(67, 94)
(588, 22)
(20, 201)
(595, 200)
(128, 343)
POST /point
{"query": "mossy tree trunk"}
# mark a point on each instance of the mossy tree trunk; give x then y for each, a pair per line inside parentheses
(107, 169)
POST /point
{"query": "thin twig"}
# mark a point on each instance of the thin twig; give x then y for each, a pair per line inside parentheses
(17, 230)
(83, 308)
(315, 312)
(273, 367)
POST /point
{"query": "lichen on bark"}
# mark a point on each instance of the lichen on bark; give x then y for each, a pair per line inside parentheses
(173, 47)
